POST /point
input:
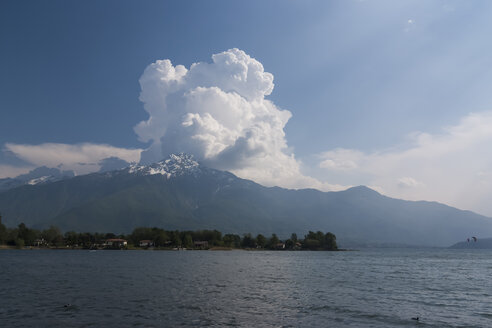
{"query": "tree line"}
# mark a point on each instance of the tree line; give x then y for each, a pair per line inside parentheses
(22, 236)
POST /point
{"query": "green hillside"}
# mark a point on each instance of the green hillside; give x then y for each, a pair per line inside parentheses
(119, 201)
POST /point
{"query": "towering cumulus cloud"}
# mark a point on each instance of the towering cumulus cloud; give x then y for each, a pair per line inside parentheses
(218, 112)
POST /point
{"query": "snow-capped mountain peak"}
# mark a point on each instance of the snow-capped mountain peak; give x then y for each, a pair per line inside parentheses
(39, 180)
(40, 175)
(175, 165)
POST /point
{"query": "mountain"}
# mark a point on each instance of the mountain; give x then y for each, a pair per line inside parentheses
(39, 175)
(180, 193)
(482, 243)
(44, 174)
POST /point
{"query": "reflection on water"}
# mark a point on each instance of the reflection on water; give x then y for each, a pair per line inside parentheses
(369, 288)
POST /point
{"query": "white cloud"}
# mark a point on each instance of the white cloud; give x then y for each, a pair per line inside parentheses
(82, 158)
(451, 167)
(218, 112)
(10, 171)
(409, 182)
(341, 159)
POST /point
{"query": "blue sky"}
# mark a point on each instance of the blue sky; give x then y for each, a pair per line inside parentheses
(376, 89)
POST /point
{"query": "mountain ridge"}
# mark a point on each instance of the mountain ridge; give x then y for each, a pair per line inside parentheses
(39, 175)
(482, 243)
(179, 193)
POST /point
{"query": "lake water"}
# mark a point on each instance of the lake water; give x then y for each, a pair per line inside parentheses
(367, 288)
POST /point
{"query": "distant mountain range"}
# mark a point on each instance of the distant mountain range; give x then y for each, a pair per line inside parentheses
(485, 243)
(40, 175)
(179, 193)
(43, 174)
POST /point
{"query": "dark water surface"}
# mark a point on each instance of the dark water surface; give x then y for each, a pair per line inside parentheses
(368, 288)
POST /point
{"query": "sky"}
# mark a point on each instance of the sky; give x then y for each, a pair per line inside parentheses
(394, 95)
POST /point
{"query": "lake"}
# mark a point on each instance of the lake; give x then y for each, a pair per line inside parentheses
(367, 288)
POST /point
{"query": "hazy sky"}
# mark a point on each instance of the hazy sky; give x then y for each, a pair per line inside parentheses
(395, 95)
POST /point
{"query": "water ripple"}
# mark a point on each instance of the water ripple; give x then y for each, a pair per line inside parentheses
(370, 288)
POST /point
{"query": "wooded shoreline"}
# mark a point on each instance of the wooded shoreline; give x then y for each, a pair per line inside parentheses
(155, 238)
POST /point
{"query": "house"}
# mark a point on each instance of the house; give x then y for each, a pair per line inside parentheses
(40, 242)
(200, 244)
(116, 243)
(280, 246)
(146, 243)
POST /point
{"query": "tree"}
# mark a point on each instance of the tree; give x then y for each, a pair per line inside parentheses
(109, 235)
(248, 241)
(19, 243)
(161, 238)
(3, 232)
(71, 238)
(330, 241)
(86, 239)
(12, 236)
(98, 238)
(312, 244)
(311, 241)
(261, 240)
(318, 240)
(26, 234)
(231, 240)
(176, 240)
(273, 241)
(53, 236)
(22, 231)
(216, 238)
(289, 244)
(141, 233)
(187, 241)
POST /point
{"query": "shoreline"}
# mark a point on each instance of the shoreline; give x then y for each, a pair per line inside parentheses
(32, 248)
